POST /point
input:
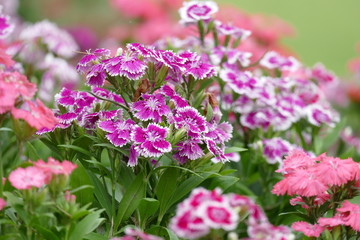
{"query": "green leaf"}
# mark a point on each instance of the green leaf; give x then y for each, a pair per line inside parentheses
(101, 193)
(53, 147)
(186, 186)
(165, 189)
(131, 199)
(5, 129)
(32, 152)
(224, 182)
(95, 236)
(235, 149)
(162, 232)
(46, 233)
(86, 225)
(78, 179)
(331, 138)
(147, 207)
(77, 149)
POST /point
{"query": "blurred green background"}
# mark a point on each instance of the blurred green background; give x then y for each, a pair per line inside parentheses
(326, 30)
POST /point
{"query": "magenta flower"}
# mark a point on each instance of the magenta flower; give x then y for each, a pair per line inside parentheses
(257, 118)
(26, 178)
(322, 75)
(219, 133)
(118, 131)
(194, 11)
(318, 114)
(150, 141)
(97, 75)
(240, 82)
(170, 59)
(216, 150)
(140, 49)
(153, 107)
(190, 119)
(200, 70)
(6, 26)
(75, 100)
(125, 65)
(189, 149)
(108, 95)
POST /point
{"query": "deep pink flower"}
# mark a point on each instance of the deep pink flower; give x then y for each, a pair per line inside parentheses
(37, 115)
(150, 141)
(190, 119)
(296, 159)
(2, 204)
(216, 150)
(308, 229)
(153, 107)
(26, 178)
(118, 131)
(134, 232)
(194, 11)
(97, 75)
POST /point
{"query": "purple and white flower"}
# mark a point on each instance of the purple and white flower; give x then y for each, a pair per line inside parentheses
(96, 77)
(229, 29)
(190, 119)
(194, 11)
(240, 82)
(275, 149)
(118, 131)
(150, 141)
(318, 115)
(152, 107)
(273, 60)
(189, 149)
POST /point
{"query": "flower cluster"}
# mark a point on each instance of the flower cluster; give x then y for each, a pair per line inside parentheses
(40, 174)
(205, 210)
(320, 184)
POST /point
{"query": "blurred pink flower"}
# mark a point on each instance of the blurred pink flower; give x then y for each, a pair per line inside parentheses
(26, 178)
(308, 229)
(37, 115)
(2, 204)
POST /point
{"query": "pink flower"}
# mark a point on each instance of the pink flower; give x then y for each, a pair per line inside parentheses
(335, 171)
(194, 11)
(2, 204)
(297, 159)
(97, 75)
(134, 232)
(350, 214)
(26, 178)
(308, 229)
(322, 75)
(153, 107)
(275, 148)
(150, 141)
(38, 115)
(318, 115)
(54, 167)
(187, 225)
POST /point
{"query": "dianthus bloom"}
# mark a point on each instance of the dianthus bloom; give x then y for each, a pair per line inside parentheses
(26, 178)
(194, 11)
(54, 167)
(308, 229)
(205, 210)
(152, 107)
(273, 60)
(6, 26)
(38, 116)
(118, 131)
(150, 141)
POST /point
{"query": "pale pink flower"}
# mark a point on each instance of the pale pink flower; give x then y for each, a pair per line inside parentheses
(26, 178)
(38, 116)
(308, 229)
(350, 214)
(54, 167)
